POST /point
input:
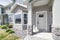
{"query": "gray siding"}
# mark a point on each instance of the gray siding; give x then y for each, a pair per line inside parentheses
(42, 8)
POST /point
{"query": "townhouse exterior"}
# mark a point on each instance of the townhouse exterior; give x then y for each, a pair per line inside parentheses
(28, 16)
(33, 16)
(6, 10)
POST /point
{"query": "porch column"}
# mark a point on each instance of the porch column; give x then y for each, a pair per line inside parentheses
(30, 18)
(56, 20)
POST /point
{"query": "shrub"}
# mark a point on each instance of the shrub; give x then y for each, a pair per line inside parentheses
(9, 31)
(4, 27)
(3, 35)
(7, 24)
(0, 26)
(10, 26)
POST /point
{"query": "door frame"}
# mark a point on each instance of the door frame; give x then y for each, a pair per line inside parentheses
(46, 17)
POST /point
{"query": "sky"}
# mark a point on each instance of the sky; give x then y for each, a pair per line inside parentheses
(5, 2)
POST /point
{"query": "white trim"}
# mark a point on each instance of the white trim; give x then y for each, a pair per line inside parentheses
(46, 18)
(36, 19)
(15, 5)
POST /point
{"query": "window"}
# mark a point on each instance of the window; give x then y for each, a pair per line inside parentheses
(10, 17)
(25, 18)
(18, 18)
(40, 15)
(2, 10)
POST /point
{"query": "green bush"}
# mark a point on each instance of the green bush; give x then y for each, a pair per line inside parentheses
(7, 24)
(0, 26)
(9, 31)
(10, 26)
(3, 27)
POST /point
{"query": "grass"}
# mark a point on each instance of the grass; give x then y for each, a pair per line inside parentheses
(11, 37)
(6, 36)
(6, 33)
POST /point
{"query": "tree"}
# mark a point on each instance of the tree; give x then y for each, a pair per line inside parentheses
(30, 0)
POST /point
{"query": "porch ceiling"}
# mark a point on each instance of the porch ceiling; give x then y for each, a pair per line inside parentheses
(40, 2)
(37, 3)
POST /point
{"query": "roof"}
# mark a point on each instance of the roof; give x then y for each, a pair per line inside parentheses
(16, 5)
(5, 2)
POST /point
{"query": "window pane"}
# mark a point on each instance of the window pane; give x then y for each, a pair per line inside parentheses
(18, 18)
(10, 17)
(2, 10)
(40, 15)
(25, 18)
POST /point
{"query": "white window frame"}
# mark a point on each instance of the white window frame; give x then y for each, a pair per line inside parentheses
(14, 18)
(23, 18)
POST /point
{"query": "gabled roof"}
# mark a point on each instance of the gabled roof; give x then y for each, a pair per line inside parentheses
(5, 2)
(20, 5)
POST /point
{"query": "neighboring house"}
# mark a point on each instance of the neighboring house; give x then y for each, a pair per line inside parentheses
(4, 9)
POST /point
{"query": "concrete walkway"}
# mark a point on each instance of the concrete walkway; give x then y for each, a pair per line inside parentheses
(33, 38)
(40, 36)
(43, 35)
(20, 33)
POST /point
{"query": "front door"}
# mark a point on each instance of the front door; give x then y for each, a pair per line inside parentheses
(41, 20)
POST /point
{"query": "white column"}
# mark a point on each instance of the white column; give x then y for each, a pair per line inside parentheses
(56, 13)
(56, 20)
(30, 14)
(30, 18)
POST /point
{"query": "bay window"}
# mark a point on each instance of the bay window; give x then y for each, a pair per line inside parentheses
(18, 19)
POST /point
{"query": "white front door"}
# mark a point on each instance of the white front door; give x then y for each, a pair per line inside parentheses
(42, 20)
